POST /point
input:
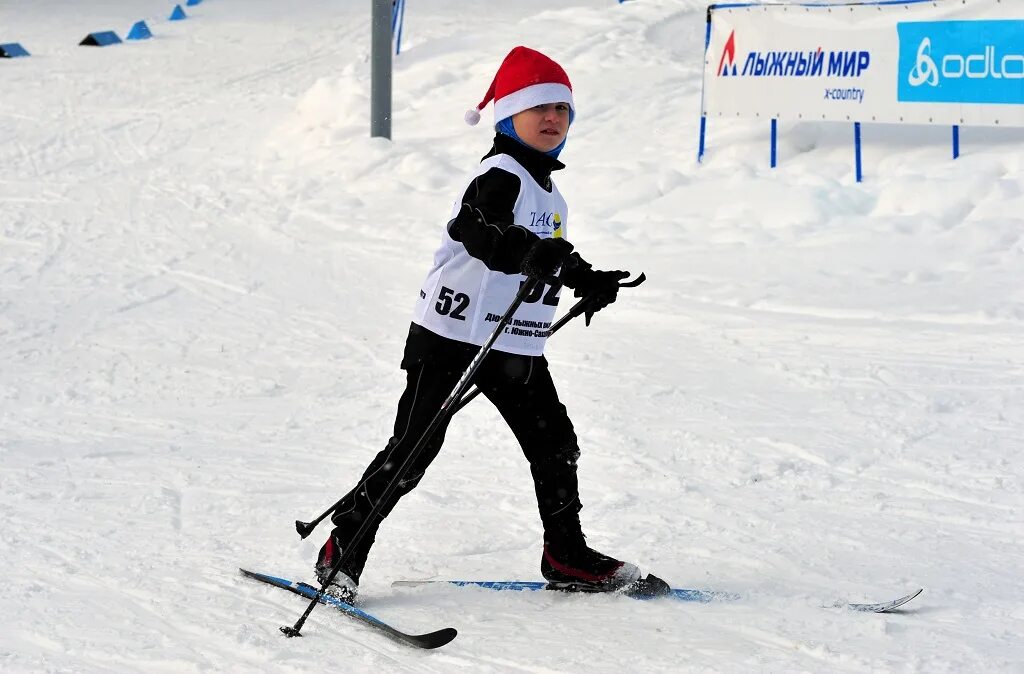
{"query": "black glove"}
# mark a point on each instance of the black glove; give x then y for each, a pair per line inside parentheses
(545, 256)
(600, 288)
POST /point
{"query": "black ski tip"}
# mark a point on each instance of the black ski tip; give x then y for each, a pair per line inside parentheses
(883, 607)
(435, 639)
(253, 574)
(428, 641)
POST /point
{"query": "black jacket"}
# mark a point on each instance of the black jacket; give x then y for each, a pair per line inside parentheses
(485, 226)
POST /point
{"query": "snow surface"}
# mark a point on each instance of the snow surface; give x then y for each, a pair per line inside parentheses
(206, 273)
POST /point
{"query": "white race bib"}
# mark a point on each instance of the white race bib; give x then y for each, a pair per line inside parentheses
(462, 299)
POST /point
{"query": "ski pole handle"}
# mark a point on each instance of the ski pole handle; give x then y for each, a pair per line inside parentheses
(635, 282)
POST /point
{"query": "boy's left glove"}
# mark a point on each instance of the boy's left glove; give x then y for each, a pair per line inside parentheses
(545, 257)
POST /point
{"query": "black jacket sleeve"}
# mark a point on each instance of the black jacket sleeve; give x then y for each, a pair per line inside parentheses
(486, 226)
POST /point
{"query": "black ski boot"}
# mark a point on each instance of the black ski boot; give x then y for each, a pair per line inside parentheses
(576, 567)
(345, 584)
(579, 568)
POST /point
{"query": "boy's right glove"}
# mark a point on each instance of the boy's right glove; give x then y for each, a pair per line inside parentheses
(601, 288)
(545, 257)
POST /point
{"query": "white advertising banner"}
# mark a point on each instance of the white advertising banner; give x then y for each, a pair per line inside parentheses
(917, 62)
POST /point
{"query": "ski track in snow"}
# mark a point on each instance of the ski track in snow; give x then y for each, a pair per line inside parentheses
(207, 271)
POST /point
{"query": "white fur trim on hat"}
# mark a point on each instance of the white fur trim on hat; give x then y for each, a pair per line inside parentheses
(527, 97)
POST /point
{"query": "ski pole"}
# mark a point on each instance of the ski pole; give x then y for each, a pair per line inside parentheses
(578, 309)
(442, 415)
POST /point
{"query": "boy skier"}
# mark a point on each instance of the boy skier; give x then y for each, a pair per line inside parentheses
(509, 223)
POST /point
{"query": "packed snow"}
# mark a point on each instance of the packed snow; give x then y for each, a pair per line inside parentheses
(207, 269)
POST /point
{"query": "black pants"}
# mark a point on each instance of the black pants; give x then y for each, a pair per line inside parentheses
(520, 387)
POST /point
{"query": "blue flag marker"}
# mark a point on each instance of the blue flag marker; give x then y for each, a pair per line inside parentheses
(101, 39)
(12, 50)
(178, 14)
(140, 31)
(192, 3)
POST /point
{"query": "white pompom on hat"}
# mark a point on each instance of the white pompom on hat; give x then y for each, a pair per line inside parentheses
(524, 79)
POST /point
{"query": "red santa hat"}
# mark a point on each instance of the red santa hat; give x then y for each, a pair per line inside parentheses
(525, 78)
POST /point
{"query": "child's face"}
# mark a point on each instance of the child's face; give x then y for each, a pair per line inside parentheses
(543, 127)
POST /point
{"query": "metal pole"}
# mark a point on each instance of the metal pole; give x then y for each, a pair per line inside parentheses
(380, 69)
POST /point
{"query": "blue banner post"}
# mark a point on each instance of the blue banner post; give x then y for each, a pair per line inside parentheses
(956, 141)
(856, 151)
(178, 14)
(775, 141)
(398, 23)
(703, 131)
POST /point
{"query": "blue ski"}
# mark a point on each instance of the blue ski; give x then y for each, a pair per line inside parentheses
(430, 640)
(681, 594)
